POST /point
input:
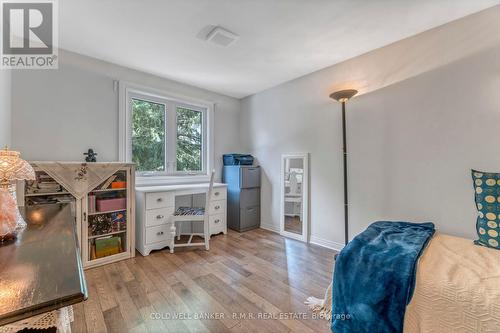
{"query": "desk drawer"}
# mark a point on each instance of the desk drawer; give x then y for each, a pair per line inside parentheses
(217, 207)
(160, 233)
(158, 216)
(219, 193)
(216, 223)
(160, 200)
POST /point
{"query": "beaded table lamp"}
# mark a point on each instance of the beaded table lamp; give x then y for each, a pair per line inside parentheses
(12, 168)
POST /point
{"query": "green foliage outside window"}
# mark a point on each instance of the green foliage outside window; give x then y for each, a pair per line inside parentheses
(148, 135)
(189, 140)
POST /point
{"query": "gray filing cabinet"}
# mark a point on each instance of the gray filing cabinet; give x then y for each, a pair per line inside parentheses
(243, 196)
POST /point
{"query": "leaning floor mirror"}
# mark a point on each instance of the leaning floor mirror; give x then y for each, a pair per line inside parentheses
(295, 196)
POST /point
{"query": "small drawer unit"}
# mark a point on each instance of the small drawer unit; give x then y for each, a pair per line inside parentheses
(243, 196)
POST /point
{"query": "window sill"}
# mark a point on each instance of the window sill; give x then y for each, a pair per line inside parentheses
(170, 180)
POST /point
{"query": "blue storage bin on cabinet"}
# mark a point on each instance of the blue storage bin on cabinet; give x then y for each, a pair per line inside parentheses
(237, 159)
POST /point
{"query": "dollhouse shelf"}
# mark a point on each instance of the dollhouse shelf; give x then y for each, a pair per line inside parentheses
(103, 236)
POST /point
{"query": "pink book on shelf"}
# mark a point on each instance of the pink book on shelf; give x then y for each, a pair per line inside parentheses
(106, 205)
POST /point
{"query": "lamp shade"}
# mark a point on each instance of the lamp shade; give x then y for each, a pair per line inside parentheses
(343, 96)
(13, 168)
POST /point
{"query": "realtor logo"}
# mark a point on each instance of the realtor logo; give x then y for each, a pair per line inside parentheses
(29, 34)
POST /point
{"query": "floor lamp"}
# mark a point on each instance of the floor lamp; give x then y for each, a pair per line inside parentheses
(343, 96)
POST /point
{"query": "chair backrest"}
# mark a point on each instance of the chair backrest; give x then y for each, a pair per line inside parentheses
(207, 205)
(209, 193)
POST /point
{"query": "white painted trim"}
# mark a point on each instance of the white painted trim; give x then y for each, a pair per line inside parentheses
(304, 237)
(124, 132)
(269, 227)
(170, 180)
(326, 243)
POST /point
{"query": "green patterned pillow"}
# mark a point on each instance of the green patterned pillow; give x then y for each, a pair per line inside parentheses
(487, 189)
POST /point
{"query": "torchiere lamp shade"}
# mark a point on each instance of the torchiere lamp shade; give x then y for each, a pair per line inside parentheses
(343, 95)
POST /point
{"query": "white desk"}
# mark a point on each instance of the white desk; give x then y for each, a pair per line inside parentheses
(155, 205)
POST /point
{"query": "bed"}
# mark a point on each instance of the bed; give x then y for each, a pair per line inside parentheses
(457, 288)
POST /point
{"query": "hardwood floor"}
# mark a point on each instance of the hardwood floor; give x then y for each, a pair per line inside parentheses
(255, 281)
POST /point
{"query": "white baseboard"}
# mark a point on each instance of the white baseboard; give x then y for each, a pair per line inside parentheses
(326, 243)
(270, 227)
(312, 239)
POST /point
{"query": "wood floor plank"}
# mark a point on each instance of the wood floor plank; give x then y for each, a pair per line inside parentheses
(129, 311)
(166, 301)
(163, 312)
(206, 300)
(94, 319)
(238, 304)
(257, 273)
(125, 272)
(114, 320)
(284, 297)
(196, 306)
(135, 266)
(103, 289)
(78, 325)
(236, 267)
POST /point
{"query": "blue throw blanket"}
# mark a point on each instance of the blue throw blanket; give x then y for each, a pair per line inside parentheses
(374, 277)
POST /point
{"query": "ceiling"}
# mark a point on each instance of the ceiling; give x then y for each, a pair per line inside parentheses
(279, 39)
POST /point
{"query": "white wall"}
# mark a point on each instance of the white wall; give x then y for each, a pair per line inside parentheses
(59, 114)
(5, 108)
(411, 143)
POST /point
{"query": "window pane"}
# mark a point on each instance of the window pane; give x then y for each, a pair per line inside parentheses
(148, 135)
(189, 140)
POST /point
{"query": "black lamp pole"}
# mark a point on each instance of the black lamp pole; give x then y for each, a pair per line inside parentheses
(343, 96)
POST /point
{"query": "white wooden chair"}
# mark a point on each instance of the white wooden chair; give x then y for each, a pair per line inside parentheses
(195, 214)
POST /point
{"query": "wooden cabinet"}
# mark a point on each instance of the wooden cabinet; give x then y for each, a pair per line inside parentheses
(104, 212)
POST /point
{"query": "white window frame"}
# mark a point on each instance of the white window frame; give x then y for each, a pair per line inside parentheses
(127, 91)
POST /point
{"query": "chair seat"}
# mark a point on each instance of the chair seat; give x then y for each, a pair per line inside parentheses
(189, 211)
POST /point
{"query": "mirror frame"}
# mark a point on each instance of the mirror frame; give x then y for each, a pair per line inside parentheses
(305, 198)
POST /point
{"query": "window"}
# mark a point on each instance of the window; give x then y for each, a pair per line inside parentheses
(164, 136)
(148, 135)
(189, 155)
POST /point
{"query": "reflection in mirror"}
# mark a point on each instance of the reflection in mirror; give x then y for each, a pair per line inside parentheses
(293, 192)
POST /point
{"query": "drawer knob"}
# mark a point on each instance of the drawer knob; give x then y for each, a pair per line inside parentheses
(159, 200)
(217, 221)
(217, 207)
(159, 217)
(216, 193)
(159, 233)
